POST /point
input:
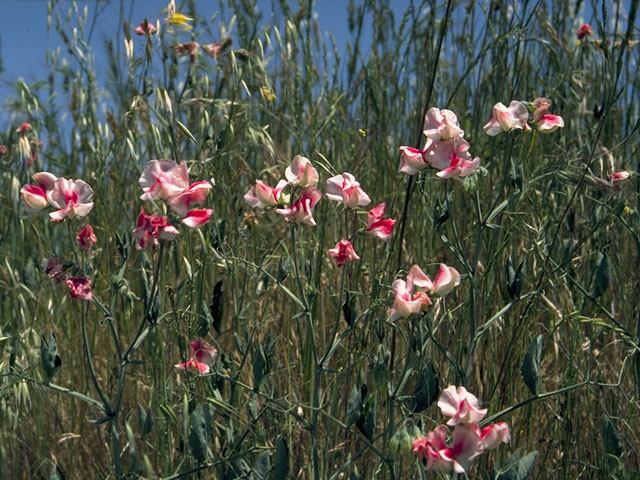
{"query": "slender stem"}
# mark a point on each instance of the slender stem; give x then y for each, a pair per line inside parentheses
(87, 352)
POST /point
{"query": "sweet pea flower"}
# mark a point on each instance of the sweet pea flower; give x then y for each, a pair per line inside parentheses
(441, 125)
(36, 197)
(86, 238)
(344, 188)
(71, 198)
(301, 172)
(618, 178)
(466, 446)
(261, 195)
(163, 178)
(506, 119)
(412, 160)
(153, 228)
(438, 154)
(188, 48)
(196, 193)
(494, 434)
(197, 218)
(459, 167)
(462, 406)
(543, 121)
(145, 28)
(203, 356)
(428, 449)
(55, 269)
(302, 210)
(343, 252)
(377, 226)
(213, 49)
(25, 127)
(80, 288)
(446, 280)
(584, 31)
(406, 301)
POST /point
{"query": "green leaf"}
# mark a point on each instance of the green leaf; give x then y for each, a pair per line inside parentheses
(426, 391)
(216, 306)
(56, 473)
(261, 467)
(367, 422)
(602, 277)
(350, 308)
(354, 405)
(281, 467)
(513, 278)
(145, 420)
(516, 468)
(200, 433)
(51, 361)
(530, 369)
(612, 445)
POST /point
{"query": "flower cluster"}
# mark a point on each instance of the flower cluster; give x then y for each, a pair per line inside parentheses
(203, 356)
(468, 441)
(79, 287)
(412, 294)
(445, 149)
(516, 116)
(71, 198)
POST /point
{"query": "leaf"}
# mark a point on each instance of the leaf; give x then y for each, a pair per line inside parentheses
(56, 473)
(426, 391)
(261, 467)
(350, 308)
(216, 306)
(145, 420)
(612, 445)
(530, 369)
(284, 267)
(51, 361)
(513, 278)
(281, 467)
(200, 433)
(516, 468)
(602, 277)
(367, 422)
(354, 405)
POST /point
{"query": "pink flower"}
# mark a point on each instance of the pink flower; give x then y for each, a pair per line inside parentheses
(196, 193)
(163, 178)
(301, 173)
(459, 167)
(24, 128)
(618, 178)
(412, 160)
(344, 188)
(71, 198)
(145, 28)
(406, 301)
(36, 197)
(584, 31)
(429, 449)
(86, 238)
(55, 269)
(506, 119)
(494, 434)
(543, 121)
(343, 252)
(377, 226)
(466, 446)
(302, 210)
(152, 228)
(441, 125)
(462, 406)
(80, 288)
(188, 48)
(438, 154)
(203, 356)
(213, 49)
(446, 280)
(3, 150)
(262, 195)
(197, 218)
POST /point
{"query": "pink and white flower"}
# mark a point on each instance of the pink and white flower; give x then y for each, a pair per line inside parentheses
(543, 121)
(407, 301)
(494, 434)
(301, 172)
(462, 406)
(145, 28)
(459, 167)
(438, 154)
(203, 356)
(86, 238)
(446, 280)
(24, 128)
(71, 198)
(194, 365)
(441, 125)
(344, 188)
(506, 119)
(197, 218)
(412, 160)
(196, 193)
(261, 195)
(163, 178)
(36, 197)
(618, 178)
(466, 446)
(80, 288)
(152, 229)
(584, 31)
(302, 209)
(377, 226)
(343, 252)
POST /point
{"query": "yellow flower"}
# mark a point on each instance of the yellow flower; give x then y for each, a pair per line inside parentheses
(267, 94)
(178, 19)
